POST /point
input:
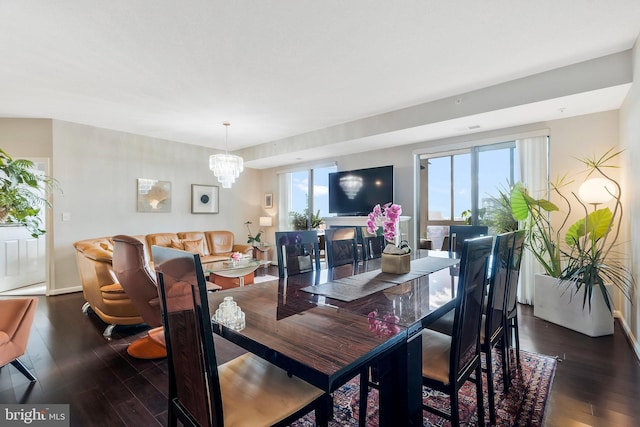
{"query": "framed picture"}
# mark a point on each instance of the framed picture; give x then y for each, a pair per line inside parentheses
(154, 195)
(204, 198)
(268, 200)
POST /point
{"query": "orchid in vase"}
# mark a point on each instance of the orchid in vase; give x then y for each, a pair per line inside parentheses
(389, 216)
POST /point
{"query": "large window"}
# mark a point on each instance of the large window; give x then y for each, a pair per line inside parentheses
(462, 187)
(306, 197)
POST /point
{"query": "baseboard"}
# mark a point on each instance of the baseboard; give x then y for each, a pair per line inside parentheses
(627, 331)
(68, 290)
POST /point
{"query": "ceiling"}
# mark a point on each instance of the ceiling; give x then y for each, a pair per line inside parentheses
(287, 69)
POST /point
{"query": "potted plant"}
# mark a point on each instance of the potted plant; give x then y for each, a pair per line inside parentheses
(300, 221)
(254, 240)
(22, 193)
(395, 257)
(580, 262)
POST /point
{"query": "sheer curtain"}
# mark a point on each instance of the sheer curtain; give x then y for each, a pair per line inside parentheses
(534, 174)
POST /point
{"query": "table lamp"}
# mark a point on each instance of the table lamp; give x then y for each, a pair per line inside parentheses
(266, 221)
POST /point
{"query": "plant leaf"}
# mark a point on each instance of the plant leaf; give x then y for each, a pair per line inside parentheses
(519, 205)
(598, 224)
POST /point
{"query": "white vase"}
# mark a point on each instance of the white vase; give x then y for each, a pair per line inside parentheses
(555, 302)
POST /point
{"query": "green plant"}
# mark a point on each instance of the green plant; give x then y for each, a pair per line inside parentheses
(300, 221)
(498, 216)
(467, 216)
(250, 237)
(22, 193)
(586, 257)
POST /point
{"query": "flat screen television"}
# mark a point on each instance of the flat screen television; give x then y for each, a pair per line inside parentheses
(356, 192)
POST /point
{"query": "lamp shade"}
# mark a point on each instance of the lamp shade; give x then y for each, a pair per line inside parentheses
(266, 221)
(597, 190)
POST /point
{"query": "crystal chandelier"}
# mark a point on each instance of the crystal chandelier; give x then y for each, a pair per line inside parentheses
(226, 167)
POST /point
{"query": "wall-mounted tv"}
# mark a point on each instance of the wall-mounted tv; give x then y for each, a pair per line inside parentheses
(356, 192)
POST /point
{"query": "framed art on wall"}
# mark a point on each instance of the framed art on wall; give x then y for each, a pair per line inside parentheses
(154, 195)
(204, 198)
(268, 200)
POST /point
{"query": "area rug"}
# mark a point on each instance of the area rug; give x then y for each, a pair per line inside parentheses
(265, 278)
(523, 405)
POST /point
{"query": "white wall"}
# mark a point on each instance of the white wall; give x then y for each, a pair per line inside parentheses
(26, 138)
(97, 170)
(630, 139)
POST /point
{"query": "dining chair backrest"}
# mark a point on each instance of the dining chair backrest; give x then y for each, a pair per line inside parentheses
(194, 385)
(465, 351)
(297, 252)
(131, 267)
(372, 245)
(341, 246)
(514, 271)
(459, 233)
(498, 282)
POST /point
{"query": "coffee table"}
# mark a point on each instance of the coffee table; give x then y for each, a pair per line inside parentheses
(235, 269)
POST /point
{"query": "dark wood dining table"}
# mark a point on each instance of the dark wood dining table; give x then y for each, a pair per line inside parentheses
(327, 341)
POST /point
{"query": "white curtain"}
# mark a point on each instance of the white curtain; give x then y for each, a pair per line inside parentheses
(534, 174)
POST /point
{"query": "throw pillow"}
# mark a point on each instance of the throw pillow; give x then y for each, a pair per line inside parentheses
(193, 246)
(176, 244)
(188, 245)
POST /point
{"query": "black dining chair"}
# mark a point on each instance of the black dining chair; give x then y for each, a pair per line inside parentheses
(341, 246)
(494, 317)
(459, 233)
(247, 390)
(372, 245)
(448, 361)
(512, 293)
(297, 252)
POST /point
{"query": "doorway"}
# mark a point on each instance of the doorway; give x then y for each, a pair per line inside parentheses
(23, 258)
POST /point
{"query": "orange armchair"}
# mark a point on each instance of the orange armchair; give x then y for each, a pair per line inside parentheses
(16, 318)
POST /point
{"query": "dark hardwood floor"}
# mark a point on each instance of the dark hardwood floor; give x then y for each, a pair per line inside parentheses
(597, 382)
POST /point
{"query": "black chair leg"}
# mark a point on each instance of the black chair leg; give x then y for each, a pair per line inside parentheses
(455, 412)
(515, 325)
(506, 370)
(23, 370)
(490, 388)
(364, 395)
(479, 396)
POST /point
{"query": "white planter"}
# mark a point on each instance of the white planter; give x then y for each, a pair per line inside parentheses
(554, 302)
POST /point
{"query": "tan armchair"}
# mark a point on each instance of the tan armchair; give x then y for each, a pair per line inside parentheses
(131, 266)
(16, 318)
(102, 292)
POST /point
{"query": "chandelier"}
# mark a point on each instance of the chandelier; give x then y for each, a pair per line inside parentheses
(226, 167)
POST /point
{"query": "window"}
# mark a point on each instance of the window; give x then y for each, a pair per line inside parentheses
(306, 197)
(461, 187)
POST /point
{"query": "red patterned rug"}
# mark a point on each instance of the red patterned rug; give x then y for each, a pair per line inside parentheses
(523, 405)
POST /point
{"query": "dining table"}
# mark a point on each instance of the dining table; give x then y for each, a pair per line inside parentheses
(327, 327)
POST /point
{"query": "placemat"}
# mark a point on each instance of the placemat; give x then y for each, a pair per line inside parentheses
(352, 288)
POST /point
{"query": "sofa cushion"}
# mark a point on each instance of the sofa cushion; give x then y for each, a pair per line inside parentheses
(195, 246)
(195, 235)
